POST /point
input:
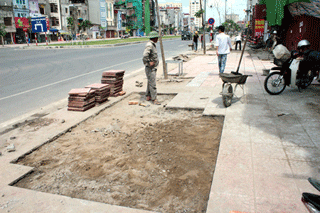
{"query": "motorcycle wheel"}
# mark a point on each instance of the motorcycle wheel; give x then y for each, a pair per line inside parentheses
(309, 79)
(227, 98)
(274, 84)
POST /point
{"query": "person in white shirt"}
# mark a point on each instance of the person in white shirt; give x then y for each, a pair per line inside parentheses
(238, 42)
(223, 44)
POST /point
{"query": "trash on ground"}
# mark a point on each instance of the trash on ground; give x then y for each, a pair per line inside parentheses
(11, 148)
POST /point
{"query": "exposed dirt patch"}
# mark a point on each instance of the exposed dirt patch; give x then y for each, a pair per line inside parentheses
(129, 155)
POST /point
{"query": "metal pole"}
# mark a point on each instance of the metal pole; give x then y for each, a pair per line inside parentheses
(35, 36)
(26, 34)
(46, 38)
(225, 11)
(161, 45)
(204, 28)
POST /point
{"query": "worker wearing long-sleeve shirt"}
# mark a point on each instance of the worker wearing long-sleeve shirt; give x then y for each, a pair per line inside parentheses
(150, 60)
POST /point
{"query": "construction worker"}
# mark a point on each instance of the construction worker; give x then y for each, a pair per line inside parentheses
(150, 60)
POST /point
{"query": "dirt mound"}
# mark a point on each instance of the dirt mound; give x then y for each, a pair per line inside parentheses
(129, 155)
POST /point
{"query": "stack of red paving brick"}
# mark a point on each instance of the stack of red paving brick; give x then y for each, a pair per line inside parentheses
(102, 92)
(81, 99)
(115, 79)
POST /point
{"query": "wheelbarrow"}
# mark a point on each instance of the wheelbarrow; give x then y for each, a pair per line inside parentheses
(227, 89)
(232, 78)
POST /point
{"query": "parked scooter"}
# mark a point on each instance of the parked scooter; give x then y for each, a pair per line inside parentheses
(287, 74)
(312, 201)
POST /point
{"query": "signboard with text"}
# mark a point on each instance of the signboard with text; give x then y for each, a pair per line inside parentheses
(103, 14)
(258, 27)
(39, 24)
(22, 22)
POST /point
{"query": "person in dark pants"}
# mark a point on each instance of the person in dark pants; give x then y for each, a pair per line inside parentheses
(195, 41)
(311, 59)
(238, 42)
(150, 60)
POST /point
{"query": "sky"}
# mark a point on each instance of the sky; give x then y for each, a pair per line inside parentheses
(236, 6)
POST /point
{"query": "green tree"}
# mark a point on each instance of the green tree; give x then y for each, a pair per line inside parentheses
(231, 26)
(199, 13)
(85, 24)
(3, 32)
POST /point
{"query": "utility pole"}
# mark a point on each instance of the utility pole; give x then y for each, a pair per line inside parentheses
(204, 20)
(203, 25)
(225, 11)
(161, 45)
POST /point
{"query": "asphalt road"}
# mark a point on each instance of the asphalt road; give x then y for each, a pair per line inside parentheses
(33, 78)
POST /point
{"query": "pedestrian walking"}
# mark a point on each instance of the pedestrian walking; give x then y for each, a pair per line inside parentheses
(195, 41)
(223, 44)
(150, 60)
(238, 42)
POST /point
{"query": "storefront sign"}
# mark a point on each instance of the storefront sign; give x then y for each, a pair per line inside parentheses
(119, 21)
(103, 14)
(21, 22)
(258, 27)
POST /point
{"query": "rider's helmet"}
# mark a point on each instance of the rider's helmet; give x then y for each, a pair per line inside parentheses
(303, 43)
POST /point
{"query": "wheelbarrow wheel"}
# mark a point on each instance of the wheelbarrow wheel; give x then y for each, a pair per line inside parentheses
(227, 95)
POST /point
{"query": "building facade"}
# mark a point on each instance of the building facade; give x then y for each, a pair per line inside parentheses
(194, 7)
(7, 19)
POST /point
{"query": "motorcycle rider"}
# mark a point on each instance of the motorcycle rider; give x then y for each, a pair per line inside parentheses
(311, 59)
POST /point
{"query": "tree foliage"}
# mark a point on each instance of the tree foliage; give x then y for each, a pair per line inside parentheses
(199, 13)
(3, 31)
(85, 24)
(70, 22)
(230, 25)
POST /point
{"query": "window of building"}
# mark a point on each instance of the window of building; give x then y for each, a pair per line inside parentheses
(19, 15)
(23, 1)
(41, 10)
(53, 8)
(79, 12)
(55, 21)
(66, 10)
(7, 21)
(17, 1)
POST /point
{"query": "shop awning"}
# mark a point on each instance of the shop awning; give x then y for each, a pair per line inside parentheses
(53, 30)
(275, 9)
(303, 8)
(63, 32)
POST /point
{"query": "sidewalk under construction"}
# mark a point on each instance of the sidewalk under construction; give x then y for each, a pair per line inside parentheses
(269, 144)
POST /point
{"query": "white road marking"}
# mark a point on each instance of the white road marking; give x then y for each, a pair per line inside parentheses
(68, 79)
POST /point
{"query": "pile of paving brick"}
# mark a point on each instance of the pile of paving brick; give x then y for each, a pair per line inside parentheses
(115, 79)
(102, 92)
(81, 99)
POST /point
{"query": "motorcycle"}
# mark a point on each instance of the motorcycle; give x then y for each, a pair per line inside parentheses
(312, 201)
(287, 74)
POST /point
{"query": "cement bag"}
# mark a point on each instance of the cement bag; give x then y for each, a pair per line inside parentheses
(281, 52)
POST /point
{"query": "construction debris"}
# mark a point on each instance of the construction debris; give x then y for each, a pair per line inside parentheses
(11, 148)
(183, 57)
(133, 102)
